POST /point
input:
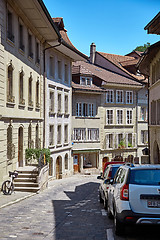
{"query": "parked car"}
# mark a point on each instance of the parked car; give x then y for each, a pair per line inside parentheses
(103, 188)
(112, 162)
(134, 196)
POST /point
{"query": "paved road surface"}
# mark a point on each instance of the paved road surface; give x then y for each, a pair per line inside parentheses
(68, 210)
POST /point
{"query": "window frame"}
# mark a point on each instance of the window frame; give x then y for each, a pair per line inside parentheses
(110, 96)
(128, 100)
(121, 96)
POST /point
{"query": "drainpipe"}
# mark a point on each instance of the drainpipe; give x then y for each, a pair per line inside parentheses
(148, 126)
(44, 85)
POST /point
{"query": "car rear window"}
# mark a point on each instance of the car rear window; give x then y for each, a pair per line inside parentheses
(114, 170)
(145, 177)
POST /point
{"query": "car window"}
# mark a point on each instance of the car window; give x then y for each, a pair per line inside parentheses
(145, 176)
(106, 172)
(123, 173)
(114, 169)
(118, 176)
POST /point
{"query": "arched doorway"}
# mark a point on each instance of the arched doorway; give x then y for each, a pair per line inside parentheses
(20, 147)
(156, 155)
(59, 167)
(51, 167)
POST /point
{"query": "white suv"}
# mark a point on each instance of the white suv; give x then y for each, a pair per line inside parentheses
(134, 196)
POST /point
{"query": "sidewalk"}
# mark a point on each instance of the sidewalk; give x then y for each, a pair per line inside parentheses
(6, 200)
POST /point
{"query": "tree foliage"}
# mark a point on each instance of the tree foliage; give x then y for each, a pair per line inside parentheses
(142, 48)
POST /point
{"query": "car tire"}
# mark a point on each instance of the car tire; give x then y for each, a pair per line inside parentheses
(118, 226)
(105, 203)
(109, 214)
(100, 198)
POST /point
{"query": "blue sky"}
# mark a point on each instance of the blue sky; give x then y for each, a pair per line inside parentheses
(115, 26)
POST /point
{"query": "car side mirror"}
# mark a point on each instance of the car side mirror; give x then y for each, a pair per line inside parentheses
(99, 177)
(111, 181)
(106, 181)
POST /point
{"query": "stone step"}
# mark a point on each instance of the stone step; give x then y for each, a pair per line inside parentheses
(27, 189)
(33, 179)
(27, 175)
(25, 184)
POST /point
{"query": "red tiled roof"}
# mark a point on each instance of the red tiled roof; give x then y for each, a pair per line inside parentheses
(120, 61)
(81, 67)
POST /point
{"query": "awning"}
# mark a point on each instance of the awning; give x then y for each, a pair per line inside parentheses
(86, 151)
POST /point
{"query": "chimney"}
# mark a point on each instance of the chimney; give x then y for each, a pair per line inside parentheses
(92, 53)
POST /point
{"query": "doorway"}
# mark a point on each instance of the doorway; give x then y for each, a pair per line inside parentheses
(20, 147)
(59, 167)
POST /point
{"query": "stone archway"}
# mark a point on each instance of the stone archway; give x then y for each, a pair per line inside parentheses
(156, 155)
(59, 167)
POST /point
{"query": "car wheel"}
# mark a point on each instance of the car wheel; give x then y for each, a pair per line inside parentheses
(105, 203)
(100, 198)
(109, 214)
(118, 226)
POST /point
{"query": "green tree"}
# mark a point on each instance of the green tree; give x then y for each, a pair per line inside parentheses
(142, 48)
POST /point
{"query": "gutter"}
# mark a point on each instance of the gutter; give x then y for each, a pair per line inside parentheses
(74, 50)
(49, 17)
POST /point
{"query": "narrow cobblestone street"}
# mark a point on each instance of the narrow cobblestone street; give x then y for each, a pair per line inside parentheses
(68, 209)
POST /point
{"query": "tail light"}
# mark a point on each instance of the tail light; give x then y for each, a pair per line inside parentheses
(124, 192)
(110, 173)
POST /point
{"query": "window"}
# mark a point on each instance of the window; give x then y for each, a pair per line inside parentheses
(37, 144)
(66, 161)
(129, 97)
(119, 116)
(59, 70)
(130, 140)
(37, 52)
(51, 67)
(10, 35)
(84, 110)
(143, 114)
(83, 81)
(119, 96)
(66, 75)
(30, 136)
(30, 102)
(66, 104)
(158, 112)
(153, 112)
(51, 135)
(37, 94)
(9, 142)
(59, 103)
(10, 97)
(51, 102)
(59, 134)
(21, 38)
(66, 133)
(120, 139)
(30, 51)
(79, 134)
(93, 134)
(109, 96)
(109, 140)
(90, 109)
(129, 117)
(21, 88)
(109, 117)
(86, 81)
(144, 136)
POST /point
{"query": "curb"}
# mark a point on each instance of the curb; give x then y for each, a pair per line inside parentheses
(17, 200)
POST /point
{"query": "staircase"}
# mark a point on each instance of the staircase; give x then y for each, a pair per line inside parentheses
(27, 180)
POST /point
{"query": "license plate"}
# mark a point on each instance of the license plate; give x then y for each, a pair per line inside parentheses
(153, 204)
